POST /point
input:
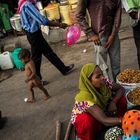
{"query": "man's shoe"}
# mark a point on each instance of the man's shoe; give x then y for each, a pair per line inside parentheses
(3, 120)
(69, 69)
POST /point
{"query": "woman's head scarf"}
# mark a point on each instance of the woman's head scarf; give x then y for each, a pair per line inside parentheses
(88, 92)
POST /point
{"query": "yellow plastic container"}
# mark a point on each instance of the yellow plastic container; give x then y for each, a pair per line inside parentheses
(65, 14)
(72, 1)
(16, 22)
(73, 16)
(52, 12)
(74, 6)
(73, 13)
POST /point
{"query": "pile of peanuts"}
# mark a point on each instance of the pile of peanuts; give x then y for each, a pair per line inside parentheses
(134, 96)
(129, 76)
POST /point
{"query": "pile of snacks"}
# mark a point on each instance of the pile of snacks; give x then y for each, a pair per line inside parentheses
(134, 96)
(129, 76)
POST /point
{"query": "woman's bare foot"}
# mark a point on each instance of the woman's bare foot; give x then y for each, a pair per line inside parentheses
(47, 97)
(30, 100)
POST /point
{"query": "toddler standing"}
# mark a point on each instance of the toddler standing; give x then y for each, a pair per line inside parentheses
(32, 79)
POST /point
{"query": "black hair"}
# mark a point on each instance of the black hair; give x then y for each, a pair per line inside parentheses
(24, 53)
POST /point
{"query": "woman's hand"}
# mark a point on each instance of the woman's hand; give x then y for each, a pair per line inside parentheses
(95, 39)
(112, 108)
(99, 115)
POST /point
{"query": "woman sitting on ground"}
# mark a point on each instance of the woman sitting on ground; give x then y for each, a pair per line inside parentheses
(99, 103)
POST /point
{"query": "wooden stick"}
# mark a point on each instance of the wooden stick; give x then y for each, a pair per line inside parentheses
(58, 130)
(67, 134)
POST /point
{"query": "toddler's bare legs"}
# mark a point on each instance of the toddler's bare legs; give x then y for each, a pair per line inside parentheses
(31, 98)
(47, 96)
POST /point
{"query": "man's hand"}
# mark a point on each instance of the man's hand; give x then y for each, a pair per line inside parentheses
(57, 24)
(63, 25)
(109, 42)
(95, 39)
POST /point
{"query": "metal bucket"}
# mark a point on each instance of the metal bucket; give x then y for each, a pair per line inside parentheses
(16, 23)
(129, 104)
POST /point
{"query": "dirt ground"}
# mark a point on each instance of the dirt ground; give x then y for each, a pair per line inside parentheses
(37, 121)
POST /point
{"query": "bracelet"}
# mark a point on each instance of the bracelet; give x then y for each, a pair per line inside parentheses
(120, 119)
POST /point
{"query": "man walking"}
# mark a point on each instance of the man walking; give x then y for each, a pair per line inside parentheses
(31, 20)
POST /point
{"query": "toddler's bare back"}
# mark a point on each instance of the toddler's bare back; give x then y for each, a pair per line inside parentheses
(29, 69)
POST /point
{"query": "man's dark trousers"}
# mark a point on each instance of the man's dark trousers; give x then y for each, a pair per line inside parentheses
(39, 46)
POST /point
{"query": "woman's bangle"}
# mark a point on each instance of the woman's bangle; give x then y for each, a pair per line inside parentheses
(120, 120)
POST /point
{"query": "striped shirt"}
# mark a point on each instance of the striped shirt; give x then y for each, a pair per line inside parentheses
(31, 19)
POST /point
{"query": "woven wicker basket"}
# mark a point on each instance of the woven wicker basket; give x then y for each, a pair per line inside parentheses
(65, 14)
(52, 12)
(72, 1)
